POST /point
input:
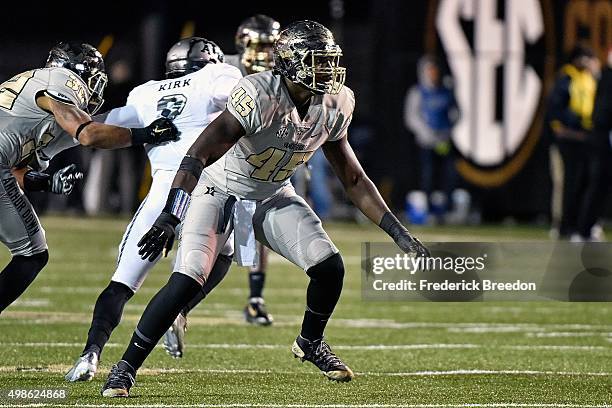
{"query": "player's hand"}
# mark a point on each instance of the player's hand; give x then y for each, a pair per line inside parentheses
(404, 239)
(63, 181)
(411, 245)
(160, 131)
(159, 238)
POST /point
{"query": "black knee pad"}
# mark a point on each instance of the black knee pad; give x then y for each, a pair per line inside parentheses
(33, 262)
(331, 269)
(179, 289)
(117, 291)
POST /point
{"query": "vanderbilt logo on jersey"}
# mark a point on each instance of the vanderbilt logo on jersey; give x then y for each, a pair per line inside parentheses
(300, 130)
(282, 132)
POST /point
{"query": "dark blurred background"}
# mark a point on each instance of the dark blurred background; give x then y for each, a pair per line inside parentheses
(382, 42)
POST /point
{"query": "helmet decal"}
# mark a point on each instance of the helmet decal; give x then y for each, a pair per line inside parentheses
(191, 54)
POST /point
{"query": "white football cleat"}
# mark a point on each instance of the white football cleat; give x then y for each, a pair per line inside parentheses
(174, 339)
(84, 369)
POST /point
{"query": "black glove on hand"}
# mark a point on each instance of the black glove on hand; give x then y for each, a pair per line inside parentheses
(409, 244)
(63, 181)
(159, 131)
(159, 238)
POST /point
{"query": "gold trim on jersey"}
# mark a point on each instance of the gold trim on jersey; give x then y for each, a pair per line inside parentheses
(10, 90)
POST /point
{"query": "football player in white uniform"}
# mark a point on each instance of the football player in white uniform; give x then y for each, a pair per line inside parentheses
(195, 92)
(42, 112)
(236, 174)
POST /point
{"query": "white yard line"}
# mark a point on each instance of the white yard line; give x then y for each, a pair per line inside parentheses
(63, 368)
(569, 334)
(273, 405)
(529, 329)
(372, 347)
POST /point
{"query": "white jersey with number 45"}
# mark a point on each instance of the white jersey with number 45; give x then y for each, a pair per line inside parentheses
(277, 140)
(191, 101)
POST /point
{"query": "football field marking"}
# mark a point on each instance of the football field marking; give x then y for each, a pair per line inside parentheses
(372, 347)
(50, 317)
(63, 368)
(466, 405)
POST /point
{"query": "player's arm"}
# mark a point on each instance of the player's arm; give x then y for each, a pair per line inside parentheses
(89, 133)
(216, 139)
(364, 194)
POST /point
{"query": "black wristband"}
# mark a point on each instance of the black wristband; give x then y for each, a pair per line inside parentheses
(192, 165)
(391, 225)
(36, 181)
(140, 136)
(81, 127)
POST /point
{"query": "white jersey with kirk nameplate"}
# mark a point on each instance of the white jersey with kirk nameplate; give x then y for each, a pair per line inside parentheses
(28, 134)
(191, 101)
(277, 140)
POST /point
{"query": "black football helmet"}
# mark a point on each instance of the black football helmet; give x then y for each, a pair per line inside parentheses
(255, 39)
(191, 54)
(306, 53)
(85, 61)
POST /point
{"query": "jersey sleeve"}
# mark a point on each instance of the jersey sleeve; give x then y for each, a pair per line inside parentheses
(344, 115)
(245, 106)
(126, 116)
(66, 87)
(223, 85)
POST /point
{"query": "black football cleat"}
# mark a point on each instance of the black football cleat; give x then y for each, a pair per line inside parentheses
(319, 353)
(255, 312)
(120, 379)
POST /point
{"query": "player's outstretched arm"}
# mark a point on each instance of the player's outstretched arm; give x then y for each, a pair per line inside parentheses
(89, 133)
(364, 194)
(216, 139)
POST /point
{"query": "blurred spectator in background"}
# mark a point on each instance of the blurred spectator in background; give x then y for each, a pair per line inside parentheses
(576, 179)
(601, 138)
(430, 112)
(114, 176)
(602, 113)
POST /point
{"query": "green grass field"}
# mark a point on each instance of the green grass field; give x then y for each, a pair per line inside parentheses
(405, 354)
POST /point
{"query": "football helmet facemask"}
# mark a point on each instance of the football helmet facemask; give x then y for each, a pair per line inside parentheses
(255, 39)
(85, 61)
(191, 54)
(306, 53)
